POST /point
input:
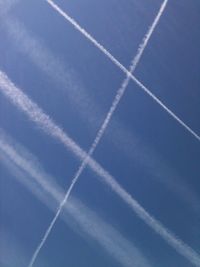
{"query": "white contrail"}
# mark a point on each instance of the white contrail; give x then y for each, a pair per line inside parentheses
(147, 38)
(46, 190)
(35, 49)
(118, 64)
(42, 120)
(24, 103)
(64, 77)
(101, 131)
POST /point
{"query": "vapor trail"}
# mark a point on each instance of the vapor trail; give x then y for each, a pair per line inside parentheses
(119, 65)
(44, 188)
(35, 49)
(147, 37)
(36, 114)
(119, 95)
(63, 76)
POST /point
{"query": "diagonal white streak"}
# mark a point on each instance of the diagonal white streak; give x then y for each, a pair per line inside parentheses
(31, 109)
(119, 65)
(147, 37)
(45, 188)
(50, 65)
(62, 75)
(119, 95)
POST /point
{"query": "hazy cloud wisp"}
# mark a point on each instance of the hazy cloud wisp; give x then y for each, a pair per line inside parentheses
(119, 65)
(35, 113)
(44, 187)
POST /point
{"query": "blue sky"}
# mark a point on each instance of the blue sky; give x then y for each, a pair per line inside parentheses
(149, 154)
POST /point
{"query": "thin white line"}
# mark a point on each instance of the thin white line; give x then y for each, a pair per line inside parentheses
(147, 37)
(119, 95)
(53, 67)
(42, 120)
(118, 64)
(45, 188)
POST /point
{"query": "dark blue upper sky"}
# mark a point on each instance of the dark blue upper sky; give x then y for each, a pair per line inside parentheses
(151, 156)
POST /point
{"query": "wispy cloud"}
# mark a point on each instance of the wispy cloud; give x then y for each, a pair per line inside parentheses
(12, 251)
(100, 133)
(35, 113)
(65, 78)
(44, 187)
(42, 120)
(153, 163)
(119, 65)
(5, 6)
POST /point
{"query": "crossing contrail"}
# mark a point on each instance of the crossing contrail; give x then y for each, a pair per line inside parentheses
(119, 95)
(44, 188)
(35, 114)
(35, 49)
(119, 65)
